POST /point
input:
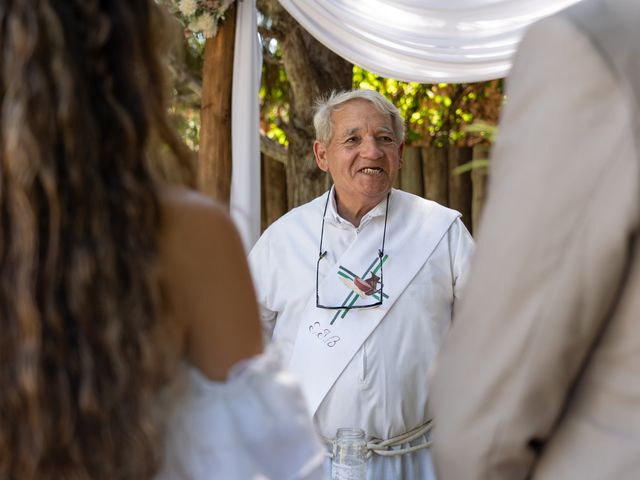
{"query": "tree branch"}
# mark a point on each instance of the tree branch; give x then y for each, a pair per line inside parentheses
(273, 149)
(270, 33)
(183, 76)
(269, 59)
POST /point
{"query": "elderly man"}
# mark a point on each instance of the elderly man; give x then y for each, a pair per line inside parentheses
(547, 343)
(359, 285)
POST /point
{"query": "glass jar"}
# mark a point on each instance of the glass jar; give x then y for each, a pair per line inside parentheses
(349, 455)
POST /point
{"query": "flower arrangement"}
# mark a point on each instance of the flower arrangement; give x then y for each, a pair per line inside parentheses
(201, 16)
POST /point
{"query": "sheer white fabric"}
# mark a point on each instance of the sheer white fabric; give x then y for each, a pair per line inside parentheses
(253, 426)
(425, 41)
(245, 118)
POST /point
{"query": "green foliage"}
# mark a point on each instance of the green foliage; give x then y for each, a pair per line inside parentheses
(187, 121)
(483, 130)
(437, 113)
(274, 95)
(467, 167)
(185, 64)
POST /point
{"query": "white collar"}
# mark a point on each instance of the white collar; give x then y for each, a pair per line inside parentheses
(334, 217)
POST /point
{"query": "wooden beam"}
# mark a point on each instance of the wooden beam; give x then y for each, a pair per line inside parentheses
(214, 156)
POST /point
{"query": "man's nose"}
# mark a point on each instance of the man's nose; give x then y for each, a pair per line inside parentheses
(370, 148)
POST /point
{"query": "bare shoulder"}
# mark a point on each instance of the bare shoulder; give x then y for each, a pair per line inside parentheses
(185, 209)
(208, 283)
(196, 230)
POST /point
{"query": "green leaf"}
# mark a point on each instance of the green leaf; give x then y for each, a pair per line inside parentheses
(467, 167)
(486, 130)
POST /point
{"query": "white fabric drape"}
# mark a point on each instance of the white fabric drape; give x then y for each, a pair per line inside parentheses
(427, 41)
(245, 121)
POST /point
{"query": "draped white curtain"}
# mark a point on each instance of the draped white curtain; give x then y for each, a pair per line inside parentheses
(427, 41)
(245, 123)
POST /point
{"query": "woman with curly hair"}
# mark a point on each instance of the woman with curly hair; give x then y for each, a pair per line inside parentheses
(115, 288)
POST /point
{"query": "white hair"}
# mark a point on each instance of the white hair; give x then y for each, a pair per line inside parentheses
(326, 106)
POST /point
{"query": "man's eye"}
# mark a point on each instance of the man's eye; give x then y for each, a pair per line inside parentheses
(351, 140)
(385, 139)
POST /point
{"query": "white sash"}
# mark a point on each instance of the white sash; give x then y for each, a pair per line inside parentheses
(327, 340)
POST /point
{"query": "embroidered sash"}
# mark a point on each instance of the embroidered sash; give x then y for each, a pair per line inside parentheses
(327, 340)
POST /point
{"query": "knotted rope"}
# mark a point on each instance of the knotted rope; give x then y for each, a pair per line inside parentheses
(383, 447)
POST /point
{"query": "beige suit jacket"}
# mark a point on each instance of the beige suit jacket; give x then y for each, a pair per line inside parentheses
(539, 376)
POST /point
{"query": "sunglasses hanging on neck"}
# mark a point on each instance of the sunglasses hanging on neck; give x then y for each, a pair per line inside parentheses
(373, 280)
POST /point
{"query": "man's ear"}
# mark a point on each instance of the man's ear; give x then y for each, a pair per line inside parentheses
(400, 152)
(321, 156)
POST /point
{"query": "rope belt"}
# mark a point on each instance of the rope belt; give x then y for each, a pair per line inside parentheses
(383, 447)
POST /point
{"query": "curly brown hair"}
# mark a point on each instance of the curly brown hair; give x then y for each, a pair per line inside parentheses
(81, 97)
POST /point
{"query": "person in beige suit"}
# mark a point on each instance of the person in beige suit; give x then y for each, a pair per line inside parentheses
(539, 376)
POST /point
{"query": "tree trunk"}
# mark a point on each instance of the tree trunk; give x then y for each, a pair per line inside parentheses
(411, 172)
(214, 156)
(435, 171)
(460, 184)
(479, 185)
(274, 191)
(305, 180)
(312, 71)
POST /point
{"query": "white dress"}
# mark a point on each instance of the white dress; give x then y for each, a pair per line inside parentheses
(253, 426)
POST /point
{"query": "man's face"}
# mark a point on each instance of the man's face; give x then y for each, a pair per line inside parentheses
(363, 155)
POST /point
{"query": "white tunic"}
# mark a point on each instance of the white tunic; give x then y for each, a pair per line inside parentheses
(253, 426)
(383, 390)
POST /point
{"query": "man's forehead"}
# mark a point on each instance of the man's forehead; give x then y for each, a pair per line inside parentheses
(359, 114)
(350, 130)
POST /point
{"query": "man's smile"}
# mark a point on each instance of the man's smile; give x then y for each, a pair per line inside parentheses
(371, 170)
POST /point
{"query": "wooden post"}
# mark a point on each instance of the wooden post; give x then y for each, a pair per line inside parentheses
(479, 184)
(214, 156)
(435, 171)
(411, 171)
(460, 184)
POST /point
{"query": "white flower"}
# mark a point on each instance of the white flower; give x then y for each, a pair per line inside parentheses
(206, 24)
(188, 7)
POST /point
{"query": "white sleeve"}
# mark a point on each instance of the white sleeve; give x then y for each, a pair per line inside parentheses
(262, 272)
(461, 247)
(254, 425)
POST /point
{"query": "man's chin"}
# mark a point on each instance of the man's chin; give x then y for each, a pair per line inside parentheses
(368, 192)
(376, 196)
